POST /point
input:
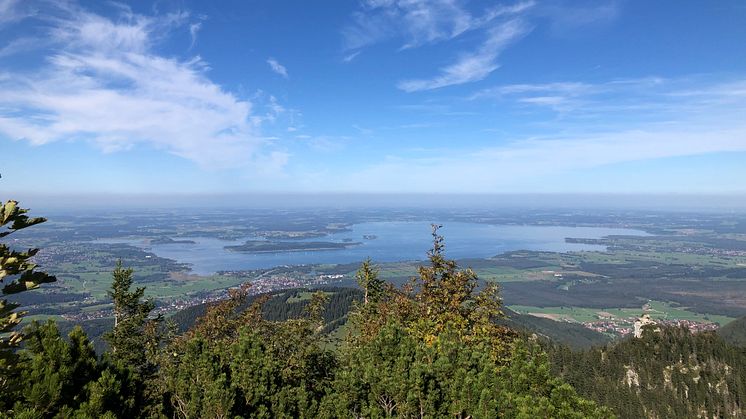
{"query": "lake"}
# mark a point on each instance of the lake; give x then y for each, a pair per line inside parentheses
(395, 241)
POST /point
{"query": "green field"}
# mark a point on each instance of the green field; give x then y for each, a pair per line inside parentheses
(687, 270)
(657, 310)
(191, 284)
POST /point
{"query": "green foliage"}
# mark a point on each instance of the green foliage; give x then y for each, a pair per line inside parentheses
(55, 371)
(395, 374)
(531, 390)
(112, 394)
(432, 349)
(134, 344)
(445, 299)
(372, 286)
(669, 372)
(16, 274)
(734, 332)
(574, 335)
(257, 368)
(134, 335)
(442, 298)
(64, 378)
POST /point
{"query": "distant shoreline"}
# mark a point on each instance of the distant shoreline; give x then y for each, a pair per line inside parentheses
(284, 247)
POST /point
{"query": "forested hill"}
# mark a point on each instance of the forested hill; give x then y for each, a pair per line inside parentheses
(668, 373)
(573, 335)
(286, 304)
(735, 332)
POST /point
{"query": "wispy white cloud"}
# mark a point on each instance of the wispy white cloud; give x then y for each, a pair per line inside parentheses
(19, 45)
(669, 97)
(104, 84)
(473, 66)
(565, 88)
(324, 143)
(13, 11)
(416, 21)
(519, 164)
(349, 57)
(564, 15)
(193, 31)
(367, 132)
(647, 119)
(277, 67)
(419, 22)
(75, 29)
(559, 96)
(501, 11)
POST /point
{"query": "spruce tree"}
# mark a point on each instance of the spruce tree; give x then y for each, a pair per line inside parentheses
(367, 278)
(133, 335)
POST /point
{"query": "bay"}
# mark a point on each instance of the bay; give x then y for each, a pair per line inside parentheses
(394, 241)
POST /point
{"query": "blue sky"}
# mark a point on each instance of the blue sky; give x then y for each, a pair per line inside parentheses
(379, 96)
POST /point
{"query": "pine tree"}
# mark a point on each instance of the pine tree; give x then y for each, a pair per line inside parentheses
(433, 350)
(367, 278)
(17, 274)
(56, 372)
(133, 335)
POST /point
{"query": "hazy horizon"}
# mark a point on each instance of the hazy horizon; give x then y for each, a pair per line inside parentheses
(663, 202)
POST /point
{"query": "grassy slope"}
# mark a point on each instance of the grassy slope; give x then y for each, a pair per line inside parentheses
(573, 335)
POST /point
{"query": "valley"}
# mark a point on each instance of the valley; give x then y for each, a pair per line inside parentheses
(600, 271)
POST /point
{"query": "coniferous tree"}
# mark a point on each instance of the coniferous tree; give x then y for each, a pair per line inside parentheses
(247, 366)
(17, 274)
(133, 335)
(433, 350)
(668, 372)
(133, 350)
(367, 278)
(56, 372)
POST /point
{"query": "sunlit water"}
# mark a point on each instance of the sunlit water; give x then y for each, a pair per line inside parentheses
(395, 241)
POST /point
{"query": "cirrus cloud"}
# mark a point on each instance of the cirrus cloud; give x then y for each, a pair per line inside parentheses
(277, 67)
(473, 66)
(103, 82)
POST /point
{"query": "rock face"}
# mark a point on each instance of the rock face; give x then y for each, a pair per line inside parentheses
(668, 372)
(631, 377)
(642, 321)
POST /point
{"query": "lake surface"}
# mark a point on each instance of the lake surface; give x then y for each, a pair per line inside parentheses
(396, 241)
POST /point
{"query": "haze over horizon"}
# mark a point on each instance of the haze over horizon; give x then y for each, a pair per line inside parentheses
(65, 203)
(376, 96)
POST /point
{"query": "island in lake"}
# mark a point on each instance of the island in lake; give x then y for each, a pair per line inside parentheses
(263, 246)
(169, 240)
